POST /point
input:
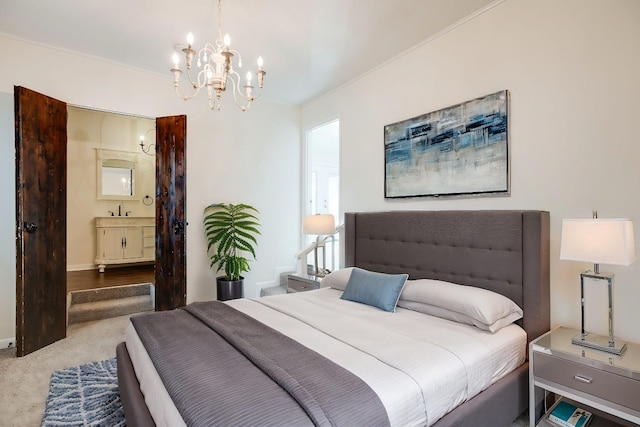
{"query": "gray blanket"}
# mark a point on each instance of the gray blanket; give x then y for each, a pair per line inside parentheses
(224, 368)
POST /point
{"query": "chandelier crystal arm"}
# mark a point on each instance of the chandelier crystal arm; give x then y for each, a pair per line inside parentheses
(215, 62)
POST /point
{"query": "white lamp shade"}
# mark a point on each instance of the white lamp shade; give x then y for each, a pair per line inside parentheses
(598, 241)
(318, 224)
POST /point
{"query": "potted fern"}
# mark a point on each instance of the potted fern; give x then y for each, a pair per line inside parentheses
(231, 232)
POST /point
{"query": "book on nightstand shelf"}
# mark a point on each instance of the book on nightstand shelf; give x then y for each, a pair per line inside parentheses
(564, 414)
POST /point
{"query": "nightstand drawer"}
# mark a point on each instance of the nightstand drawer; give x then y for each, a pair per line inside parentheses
(299, 285)
(606, 385)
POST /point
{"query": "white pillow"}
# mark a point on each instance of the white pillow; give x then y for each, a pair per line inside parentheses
(337, 279)
(482, 308)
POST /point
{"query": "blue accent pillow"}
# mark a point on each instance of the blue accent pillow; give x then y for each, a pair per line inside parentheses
(375, 289)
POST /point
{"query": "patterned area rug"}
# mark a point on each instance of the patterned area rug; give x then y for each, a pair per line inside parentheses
(85, 395)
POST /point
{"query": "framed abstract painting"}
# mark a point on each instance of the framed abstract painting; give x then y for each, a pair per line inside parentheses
(462, 150)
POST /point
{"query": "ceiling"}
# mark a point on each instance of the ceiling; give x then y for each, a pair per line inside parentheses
(310, 47)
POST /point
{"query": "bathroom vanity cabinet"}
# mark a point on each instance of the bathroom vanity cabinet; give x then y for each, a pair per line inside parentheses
(124, 240)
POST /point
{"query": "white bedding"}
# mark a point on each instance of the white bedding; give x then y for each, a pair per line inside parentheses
(420, 366)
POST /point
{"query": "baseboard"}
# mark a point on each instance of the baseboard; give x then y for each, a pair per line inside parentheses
(82, 267)
(7, 342)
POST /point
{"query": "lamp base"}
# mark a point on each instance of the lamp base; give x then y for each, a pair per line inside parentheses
(599, 342)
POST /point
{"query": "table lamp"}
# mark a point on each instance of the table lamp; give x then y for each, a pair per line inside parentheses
(319, 225)
(599, 241)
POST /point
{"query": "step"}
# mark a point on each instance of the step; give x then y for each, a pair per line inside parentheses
(104, 309)
(114, 292)
(273, 290)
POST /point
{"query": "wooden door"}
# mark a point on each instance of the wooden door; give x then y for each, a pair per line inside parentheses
(171, 246)
(41, 208)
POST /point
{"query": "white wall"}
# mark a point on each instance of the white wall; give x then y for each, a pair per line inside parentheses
(250, 157)
(572, 68)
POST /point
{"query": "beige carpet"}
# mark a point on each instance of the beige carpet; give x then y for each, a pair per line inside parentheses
(24, 382)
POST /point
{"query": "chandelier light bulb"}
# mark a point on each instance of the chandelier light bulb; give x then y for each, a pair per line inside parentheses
(190, 39)
(260, 62)
(176, 59)
(227, 40)
(249, 77)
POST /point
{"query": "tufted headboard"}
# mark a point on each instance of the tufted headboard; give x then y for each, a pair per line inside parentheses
(504, 251)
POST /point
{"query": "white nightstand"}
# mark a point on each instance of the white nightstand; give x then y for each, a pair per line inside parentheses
(607, 385)
(302, 282)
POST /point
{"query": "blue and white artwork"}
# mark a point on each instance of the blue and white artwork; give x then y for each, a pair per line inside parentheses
(459, 150)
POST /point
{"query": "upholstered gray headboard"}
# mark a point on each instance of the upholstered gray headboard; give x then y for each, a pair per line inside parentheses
(504, 251)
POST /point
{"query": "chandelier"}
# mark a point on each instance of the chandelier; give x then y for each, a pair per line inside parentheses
(216, 71)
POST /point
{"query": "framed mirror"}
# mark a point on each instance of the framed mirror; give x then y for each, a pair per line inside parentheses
(116, 178)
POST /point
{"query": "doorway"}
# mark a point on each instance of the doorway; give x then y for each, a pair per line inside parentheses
(322, 179)
(90, 134)
(41, 220)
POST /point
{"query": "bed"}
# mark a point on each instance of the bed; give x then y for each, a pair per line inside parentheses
(506, 252)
